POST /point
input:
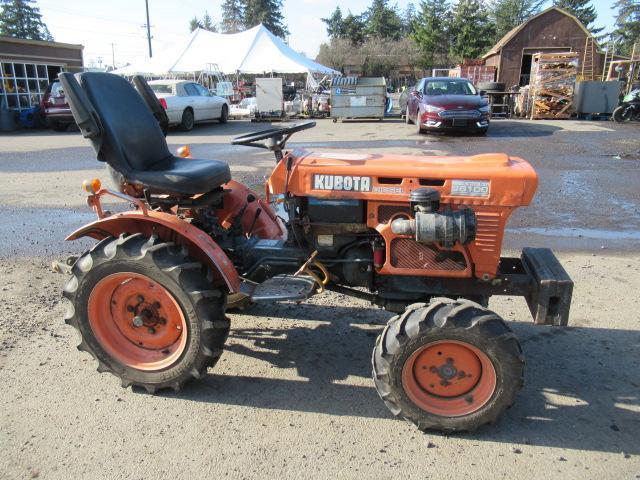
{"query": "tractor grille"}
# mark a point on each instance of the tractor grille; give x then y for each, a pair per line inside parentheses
(461, 114)
(488, 231)
(407, 253)
(385, 212)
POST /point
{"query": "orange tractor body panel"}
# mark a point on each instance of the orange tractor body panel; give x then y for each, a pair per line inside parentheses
(169, 228)
(385, 183)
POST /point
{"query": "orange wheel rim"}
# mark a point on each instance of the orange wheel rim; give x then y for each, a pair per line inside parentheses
(449, 378)
(137, 321)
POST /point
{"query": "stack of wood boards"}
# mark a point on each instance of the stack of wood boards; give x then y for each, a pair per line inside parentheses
(553, 77)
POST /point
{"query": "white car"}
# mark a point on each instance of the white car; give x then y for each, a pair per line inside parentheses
(189, 102)
(245, 109)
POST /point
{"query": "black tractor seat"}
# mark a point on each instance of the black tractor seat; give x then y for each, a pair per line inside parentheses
(184, 176)
(127, 136)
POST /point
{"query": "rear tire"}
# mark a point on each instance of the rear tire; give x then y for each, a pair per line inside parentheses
(187, 122)
(146, 312)
(224, 116)
(418, 365)
(621, 114)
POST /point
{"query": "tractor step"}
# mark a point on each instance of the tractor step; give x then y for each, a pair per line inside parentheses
(281, 288)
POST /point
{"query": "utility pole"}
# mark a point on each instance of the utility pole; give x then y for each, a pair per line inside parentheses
(113, 56)
(146, 2)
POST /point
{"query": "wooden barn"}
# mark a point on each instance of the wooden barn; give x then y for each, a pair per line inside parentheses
(551, 31)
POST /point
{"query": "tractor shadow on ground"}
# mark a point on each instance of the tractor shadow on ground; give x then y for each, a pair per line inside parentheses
(582, 388)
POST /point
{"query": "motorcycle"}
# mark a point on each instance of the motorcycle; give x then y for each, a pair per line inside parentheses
(630, 107)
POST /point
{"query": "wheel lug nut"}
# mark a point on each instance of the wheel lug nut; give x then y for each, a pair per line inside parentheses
(152, 330)
(156, 304)
(140, 298)
(130, 308)
(137, 321)
(163, 321)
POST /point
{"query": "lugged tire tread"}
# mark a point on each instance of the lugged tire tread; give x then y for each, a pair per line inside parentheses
(407, 326)
(208, 303)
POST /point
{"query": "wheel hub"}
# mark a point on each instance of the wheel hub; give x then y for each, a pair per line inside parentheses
(449, 378)
(137, 320)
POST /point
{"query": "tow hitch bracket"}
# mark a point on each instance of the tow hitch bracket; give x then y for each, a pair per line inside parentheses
(549, 297)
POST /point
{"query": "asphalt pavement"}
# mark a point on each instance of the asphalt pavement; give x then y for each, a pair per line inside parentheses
(292, 396)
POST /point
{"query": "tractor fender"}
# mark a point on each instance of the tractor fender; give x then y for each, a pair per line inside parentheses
(169, 228)
(265, 225)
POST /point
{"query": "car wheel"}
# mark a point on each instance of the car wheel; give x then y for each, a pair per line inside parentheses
(59, 127)
(187, 120)
(407, 119)
(225, 114)
(419, 129)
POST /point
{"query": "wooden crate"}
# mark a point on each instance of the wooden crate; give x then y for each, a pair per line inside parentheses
(553, 78)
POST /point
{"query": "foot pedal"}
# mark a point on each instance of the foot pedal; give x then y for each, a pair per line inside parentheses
(282, 287)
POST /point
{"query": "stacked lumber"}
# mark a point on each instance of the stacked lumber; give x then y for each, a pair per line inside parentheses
(553, 77)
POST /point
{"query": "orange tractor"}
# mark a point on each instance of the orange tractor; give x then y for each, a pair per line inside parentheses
(420, 236)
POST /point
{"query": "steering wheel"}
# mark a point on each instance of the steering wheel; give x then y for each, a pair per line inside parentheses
(279, 136)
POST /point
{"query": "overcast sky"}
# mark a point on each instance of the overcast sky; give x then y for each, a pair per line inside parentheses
(98, 23)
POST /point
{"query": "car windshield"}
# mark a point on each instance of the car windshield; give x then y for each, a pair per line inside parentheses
(161, 87)
(449, 87)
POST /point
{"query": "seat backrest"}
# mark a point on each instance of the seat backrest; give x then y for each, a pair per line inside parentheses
(152, 102)
(131, 138)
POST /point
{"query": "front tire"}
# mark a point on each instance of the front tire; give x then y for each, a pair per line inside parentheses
(419, 129)
(407, 118)
(187, 122)
(449, 366)
(224, 116)
(146, 312)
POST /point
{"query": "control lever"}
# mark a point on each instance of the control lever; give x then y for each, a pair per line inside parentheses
(253, 224)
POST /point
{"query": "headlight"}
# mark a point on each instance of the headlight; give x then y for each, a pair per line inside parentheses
(433, 109)
(484, 109)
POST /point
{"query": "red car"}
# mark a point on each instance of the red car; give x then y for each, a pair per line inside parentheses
(443, 103)
(55, 108)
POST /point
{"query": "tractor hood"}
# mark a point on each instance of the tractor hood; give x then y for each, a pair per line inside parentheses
(487, 179)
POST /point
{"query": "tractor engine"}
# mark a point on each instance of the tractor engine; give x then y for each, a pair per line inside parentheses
(373, 215)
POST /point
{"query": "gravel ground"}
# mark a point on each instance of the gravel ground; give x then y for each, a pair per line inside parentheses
(292, 395)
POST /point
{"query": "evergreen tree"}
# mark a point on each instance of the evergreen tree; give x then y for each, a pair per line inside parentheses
(470, 29)
(335, 24)
(507, 14)
(383, 21)
(22, 19)
(430, 32)
(206, 23)
(409, 19)
(232, 16)
(582, 10)
(267, 12)
(194, 24)
(627, 26)
(354, 28)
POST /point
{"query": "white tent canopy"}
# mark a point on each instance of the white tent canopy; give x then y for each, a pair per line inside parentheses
(253, 51)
